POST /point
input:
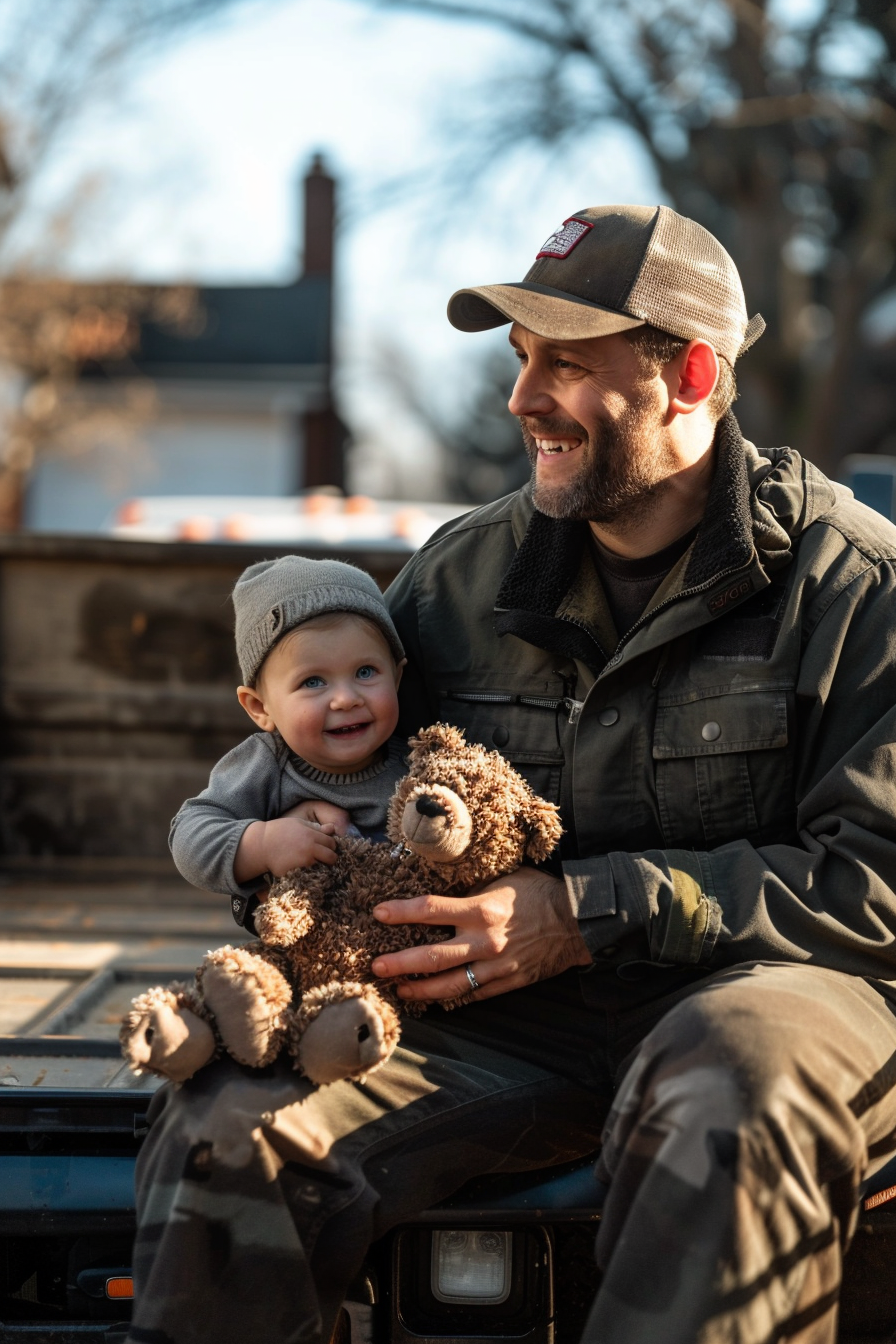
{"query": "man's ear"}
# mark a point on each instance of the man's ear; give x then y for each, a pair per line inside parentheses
(254, 706)
(693, 375)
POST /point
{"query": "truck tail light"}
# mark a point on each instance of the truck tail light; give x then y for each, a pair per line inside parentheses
(471, 1267)
(120, 1286)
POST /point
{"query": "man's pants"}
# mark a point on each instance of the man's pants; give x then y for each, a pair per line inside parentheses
(748, 1108)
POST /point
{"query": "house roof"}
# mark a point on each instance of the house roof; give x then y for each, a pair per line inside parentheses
(257, 331)
(245, 326)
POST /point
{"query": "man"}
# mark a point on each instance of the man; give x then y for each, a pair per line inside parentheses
(689, 645)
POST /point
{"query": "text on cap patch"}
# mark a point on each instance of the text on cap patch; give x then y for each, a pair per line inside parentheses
(563, 240)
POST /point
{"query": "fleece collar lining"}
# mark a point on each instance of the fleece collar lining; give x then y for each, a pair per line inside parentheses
(547, 562)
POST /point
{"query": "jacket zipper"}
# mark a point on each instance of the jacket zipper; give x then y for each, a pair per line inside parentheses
(668, 602)
(572, 706)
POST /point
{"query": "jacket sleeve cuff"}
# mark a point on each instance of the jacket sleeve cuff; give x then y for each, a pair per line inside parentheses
(666, 892)
(598, 902)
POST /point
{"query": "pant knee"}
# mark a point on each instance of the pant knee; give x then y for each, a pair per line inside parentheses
(732, 1050)
(738, 1076)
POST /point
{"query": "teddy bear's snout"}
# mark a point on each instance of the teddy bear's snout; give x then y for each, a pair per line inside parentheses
(437, 825)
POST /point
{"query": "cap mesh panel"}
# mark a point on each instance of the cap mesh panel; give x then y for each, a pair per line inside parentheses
(689, 286)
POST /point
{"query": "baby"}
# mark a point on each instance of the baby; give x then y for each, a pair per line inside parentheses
(321, 662)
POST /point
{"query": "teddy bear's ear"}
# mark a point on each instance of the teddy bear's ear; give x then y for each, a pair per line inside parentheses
(543, 820)
(439, 737)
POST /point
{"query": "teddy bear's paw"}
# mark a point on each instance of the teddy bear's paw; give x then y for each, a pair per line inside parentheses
(281, 921)
(351, 1031)
(162, 1035)
(250, 999)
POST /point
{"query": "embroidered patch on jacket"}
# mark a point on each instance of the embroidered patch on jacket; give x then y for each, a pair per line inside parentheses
(563, 240)
(749, 632)
(733, 592)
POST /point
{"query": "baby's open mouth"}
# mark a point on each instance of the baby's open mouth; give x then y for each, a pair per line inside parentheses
(347, 730)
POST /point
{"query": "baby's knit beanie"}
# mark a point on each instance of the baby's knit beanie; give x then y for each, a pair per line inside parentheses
(273, 596)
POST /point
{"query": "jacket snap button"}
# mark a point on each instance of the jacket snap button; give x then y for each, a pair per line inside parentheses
(710, 731)
(608, 717)
(501, 736)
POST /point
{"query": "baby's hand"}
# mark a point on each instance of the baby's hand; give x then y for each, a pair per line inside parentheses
(289, 842)
(279, 846)
(322, 814)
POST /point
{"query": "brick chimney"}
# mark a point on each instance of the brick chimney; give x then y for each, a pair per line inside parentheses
(323, 433)
(320, 218)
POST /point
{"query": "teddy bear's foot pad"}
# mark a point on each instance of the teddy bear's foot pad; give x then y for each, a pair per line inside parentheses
(345, 1040)
(248, 999)
(170, 1041)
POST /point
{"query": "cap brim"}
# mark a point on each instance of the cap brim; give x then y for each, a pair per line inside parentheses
(550, 313)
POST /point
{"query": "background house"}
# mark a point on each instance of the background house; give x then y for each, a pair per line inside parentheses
(235, 397)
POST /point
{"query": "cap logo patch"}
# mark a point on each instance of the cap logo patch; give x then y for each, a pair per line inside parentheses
(563, 240)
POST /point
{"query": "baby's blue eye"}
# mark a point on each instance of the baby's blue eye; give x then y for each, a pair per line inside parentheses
(313, 683)
(366, 672)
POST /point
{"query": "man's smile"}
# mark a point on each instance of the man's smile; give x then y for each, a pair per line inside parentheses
(552, 446)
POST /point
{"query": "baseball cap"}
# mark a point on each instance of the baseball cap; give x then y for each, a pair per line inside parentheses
(613, 267)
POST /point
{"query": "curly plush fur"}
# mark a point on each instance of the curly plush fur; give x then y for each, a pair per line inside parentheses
(462, 815)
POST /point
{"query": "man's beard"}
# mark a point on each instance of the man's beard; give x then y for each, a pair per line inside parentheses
(624, 466)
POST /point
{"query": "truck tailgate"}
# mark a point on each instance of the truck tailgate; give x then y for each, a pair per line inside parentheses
(72, 1115)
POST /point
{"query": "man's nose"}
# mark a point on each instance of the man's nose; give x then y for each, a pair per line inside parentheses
(530, 396)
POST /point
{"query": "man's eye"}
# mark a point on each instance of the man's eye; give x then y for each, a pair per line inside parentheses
(366, 672)
(313, 683)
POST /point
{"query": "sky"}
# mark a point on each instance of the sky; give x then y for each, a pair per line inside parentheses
(202, 154)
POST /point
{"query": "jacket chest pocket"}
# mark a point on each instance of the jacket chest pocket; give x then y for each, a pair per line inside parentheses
(524, 730)
(723, 767)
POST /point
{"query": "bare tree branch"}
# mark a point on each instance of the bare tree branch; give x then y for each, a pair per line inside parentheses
(772, 111)
(57, 60)
(772, 127)
(492, 14)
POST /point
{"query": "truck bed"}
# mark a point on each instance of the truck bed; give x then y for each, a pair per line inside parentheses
(72, 956)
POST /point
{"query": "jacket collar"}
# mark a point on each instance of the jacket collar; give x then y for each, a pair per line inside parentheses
(540, 576)
(547, 562)
(724, 539)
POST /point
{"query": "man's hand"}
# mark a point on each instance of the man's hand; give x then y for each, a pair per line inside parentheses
(321, 814)
(514, 931)
(279, 846)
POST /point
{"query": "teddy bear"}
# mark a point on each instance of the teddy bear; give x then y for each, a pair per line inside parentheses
(461, 816)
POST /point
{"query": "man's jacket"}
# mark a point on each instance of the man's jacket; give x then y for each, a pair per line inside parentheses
(726, 771)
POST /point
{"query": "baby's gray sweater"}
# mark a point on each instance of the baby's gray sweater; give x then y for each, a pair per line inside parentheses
(258, 781)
